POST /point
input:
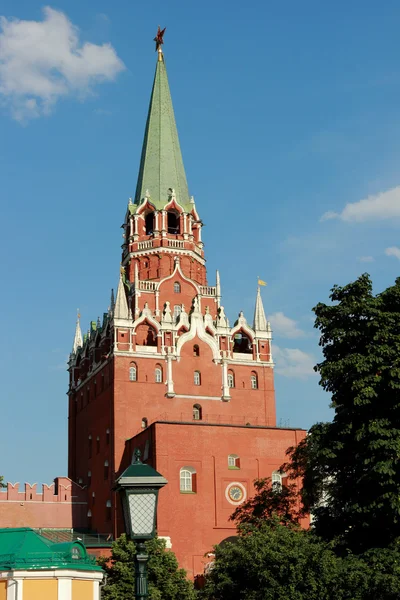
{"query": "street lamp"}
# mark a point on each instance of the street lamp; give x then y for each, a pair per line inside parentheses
(139, 485)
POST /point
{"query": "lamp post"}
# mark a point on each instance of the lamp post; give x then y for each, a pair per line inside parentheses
(139, 485)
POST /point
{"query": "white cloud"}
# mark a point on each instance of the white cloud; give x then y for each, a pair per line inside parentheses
(284, 326)
(393, 251)
(293, 363)
(366, 259)
(42, 61)
(385, 205)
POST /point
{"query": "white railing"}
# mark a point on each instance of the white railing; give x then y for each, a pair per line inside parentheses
(176, 244)
(145, 245)
(208, 290)
(148, 286)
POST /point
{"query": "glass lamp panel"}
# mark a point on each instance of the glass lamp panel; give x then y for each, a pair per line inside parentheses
(142, 512)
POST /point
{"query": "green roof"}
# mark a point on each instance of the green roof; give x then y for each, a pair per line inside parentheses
(161, 164)
(23, 548)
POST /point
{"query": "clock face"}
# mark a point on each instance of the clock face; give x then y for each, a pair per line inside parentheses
(235, 493)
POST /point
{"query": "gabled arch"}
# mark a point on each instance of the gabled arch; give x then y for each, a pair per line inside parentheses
(173, 204)
(145, 205)
(197, 329)
(178, 270)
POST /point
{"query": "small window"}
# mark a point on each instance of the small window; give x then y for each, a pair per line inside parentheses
(197, 378)
(177, 287)
(76, 553)
(196, 350)
(108, 510)
(158, 374)
(197, 412)
(233, 461)
(254, 381)
(93, 498)
(276, 481)
(144, 423)
(90, 446)
(107, 436)
(231, 379)
(89, 478)
(149, 221)
(187, 480)
(133, 372)
(177, 311)
(106, 469)
(97, 445)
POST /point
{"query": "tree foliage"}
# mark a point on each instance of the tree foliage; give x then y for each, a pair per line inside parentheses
(166, 580)
(269, 502)
(281, 562)
(351, 466)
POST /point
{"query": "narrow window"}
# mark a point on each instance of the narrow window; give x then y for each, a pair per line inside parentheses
(197, 378)
(93, 498)
(254, 381)
(233, 461)
(158, 374)
(197, 412)
(187, 479)
(90, 446)
(89, 518)
(276, 481)
(133, 372)
(149, 223)
(144, 423)
(231, 379)
(108, 510)
(106, 469)
(97, 444)
(172, 222)
(177, 312)
(196, 350)
(102, 382)
(89, 478)
(107, 436)
(177, 287)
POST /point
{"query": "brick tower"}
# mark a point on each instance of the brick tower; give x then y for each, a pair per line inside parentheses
(164, 371)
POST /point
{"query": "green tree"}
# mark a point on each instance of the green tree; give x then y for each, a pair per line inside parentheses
(2, 484)
(273, 562)
(166, 580)
(350, 467)
(269, 502)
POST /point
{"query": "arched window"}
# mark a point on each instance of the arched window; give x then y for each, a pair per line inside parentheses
(107, 436)
(93, 498)
(254, 380)
(177, 311)
(90, 446)
(277, 480)
(197, 412)
(158, 374)
(187, 480)
(149, 223)
(133, 372)
(177, 287)
(242, 343)
(89, 478)
(144, 423)
(108, 510)
(97, 444)
(173, 222)
(197, 378)
(233, 461)
(106, 469)
(231, 379)
(196, 350)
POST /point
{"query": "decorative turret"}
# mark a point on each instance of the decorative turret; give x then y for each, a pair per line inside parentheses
(121, 310)
(78, 341)
(260, 322)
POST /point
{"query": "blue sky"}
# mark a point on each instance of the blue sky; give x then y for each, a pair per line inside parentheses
(289, 121)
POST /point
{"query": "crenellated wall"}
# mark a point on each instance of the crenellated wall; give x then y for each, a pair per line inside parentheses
(61, 505)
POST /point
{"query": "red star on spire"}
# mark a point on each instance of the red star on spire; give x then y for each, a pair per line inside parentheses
(159, 39)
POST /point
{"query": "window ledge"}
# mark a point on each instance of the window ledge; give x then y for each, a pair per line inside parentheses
(187, 492)
(234, 468)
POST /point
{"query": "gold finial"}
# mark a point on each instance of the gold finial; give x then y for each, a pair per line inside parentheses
(78, 314)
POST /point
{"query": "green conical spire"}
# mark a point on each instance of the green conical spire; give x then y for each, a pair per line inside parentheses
(161, 164)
